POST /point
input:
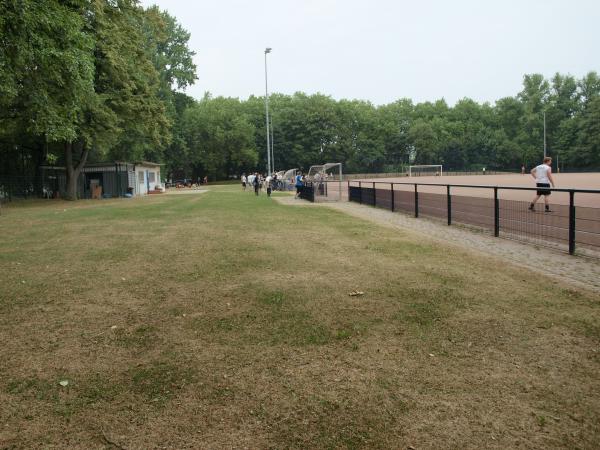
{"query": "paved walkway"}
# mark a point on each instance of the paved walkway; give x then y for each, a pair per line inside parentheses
(577, 270)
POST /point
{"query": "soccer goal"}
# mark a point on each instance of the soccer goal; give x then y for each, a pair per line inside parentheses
(425, 170)
(326, 180)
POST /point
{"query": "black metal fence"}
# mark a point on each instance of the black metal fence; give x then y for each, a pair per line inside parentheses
(51, 183)
(21, 187)
(566, 226)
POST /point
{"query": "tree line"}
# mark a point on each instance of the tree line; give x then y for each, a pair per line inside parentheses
(222, 137)
(103, 80)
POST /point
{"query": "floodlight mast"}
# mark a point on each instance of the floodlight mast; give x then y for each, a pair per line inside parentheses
(267, 50)
(272, 145)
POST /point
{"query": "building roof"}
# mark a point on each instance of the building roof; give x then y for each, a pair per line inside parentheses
(108, 164)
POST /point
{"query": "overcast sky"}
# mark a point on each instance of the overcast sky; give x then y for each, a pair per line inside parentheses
(383, 50)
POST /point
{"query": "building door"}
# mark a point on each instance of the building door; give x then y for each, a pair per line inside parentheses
(93, 184)
(142, 182)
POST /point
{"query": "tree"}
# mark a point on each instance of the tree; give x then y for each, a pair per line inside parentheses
(46, 69)
(587, 149)
(220, 139)
(166, 44)
(396, 119)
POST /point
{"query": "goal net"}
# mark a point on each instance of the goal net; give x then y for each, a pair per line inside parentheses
(327, 181)
(430, 170)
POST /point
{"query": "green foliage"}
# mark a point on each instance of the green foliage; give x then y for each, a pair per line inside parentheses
(312, 129)
(93, 78)
(219, 139)
(46, 69)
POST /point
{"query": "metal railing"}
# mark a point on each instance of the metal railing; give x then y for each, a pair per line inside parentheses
(566, 226)
(20, 187)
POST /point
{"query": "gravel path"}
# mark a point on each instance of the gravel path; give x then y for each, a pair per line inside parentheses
(581, 271)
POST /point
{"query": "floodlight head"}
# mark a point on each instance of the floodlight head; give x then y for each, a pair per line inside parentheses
(268, 50)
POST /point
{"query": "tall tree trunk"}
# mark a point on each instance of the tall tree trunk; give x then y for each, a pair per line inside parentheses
(73, 170)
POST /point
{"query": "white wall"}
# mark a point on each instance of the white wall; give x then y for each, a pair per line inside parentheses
(146, 177)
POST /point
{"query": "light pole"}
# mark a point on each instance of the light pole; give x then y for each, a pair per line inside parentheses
(267, 50)
(272, 146)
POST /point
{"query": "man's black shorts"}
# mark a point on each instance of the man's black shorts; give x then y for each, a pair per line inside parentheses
(298, 189)
(543, 191)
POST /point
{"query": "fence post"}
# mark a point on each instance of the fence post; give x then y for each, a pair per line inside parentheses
(416, 201)
(449, 205)
(496, 213)
(392, 186)
(374, 195)
(571, 222)
(360, 192)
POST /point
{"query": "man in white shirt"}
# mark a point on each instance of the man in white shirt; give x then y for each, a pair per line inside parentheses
(543, 178)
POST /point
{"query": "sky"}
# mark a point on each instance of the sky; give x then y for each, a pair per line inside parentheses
(383, 50)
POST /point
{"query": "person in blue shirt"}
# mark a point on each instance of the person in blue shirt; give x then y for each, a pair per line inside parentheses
(299, 184)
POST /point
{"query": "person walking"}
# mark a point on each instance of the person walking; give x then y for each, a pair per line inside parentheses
(244, 181)
(269, 184)
(543, 179)
(256, 183)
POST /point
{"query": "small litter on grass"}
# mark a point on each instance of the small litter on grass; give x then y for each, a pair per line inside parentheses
(122, 278)
(64, 383)
(356, 293)
(431, 354)
(114, 327)
(23, 281)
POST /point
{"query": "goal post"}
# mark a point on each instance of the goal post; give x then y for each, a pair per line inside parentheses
(327, 180)
(425, 170)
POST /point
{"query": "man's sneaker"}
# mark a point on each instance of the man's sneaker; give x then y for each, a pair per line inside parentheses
(548, 210)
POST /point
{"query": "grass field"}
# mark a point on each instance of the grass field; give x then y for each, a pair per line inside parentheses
(221, 320)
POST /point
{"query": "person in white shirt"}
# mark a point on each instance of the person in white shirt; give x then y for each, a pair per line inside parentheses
(543, 178)
(269, 184)
(244, 181)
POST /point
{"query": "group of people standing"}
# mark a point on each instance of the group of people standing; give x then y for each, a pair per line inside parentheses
(258, 181)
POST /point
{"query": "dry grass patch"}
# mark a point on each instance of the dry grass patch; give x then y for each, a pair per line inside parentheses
(223, 320)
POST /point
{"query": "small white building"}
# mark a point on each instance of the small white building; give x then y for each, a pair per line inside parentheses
(144, 177)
